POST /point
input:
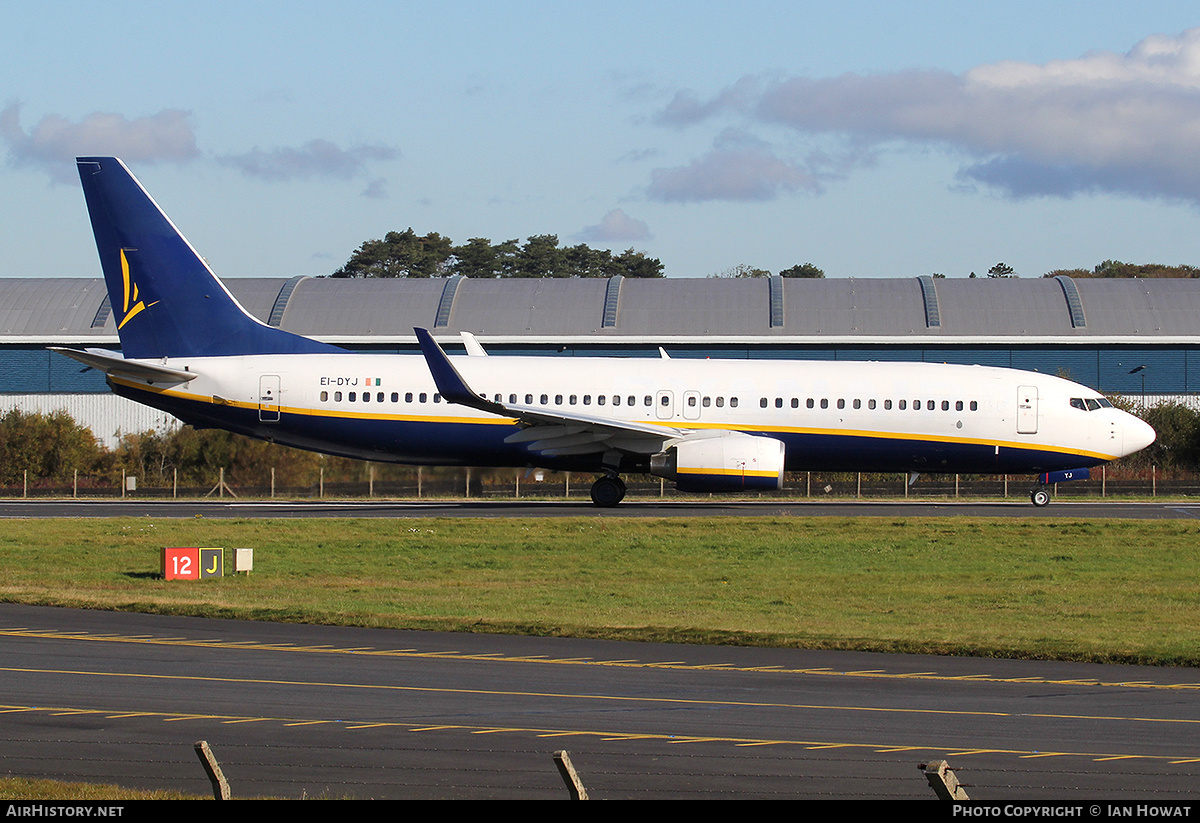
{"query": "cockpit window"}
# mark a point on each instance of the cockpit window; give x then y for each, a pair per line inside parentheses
(1090, 403)
(1077, 403)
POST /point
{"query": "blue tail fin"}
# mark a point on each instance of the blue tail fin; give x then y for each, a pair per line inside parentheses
(167, 302)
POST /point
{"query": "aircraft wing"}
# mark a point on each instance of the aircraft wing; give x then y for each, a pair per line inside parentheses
(112, 363)
(551, 432)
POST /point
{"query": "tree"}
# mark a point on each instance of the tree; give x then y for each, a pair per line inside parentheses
(541, 257)
(803, 270)
(1001, 270)
(399, 254)
(47, 446)
(476, 258)
(635, 264)
(741, 270)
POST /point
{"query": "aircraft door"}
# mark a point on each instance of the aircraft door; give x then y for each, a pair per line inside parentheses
(664, 404)
(691, 405)
(268, 398)
(1027, 410)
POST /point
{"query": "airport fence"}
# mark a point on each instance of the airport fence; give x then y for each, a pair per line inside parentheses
(483, 484)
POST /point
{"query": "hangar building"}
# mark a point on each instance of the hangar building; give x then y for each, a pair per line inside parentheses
(1135, 337)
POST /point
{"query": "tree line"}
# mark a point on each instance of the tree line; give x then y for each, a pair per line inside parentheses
(407, 254)
(1109, 268)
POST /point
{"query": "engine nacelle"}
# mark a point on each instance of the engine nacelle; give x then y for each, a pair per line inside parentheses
(730, 462)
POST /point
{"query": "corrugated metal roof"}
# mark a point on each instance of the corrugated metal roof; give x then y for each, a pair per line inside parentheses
(61, 310)
(57, 305)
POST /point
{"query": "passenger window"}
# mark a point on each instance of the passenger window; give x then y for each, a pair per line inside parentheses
(958, 406)
(422, 397)
(857, 403)
(337, 397)
(887, 405)
(974, 405)
(824, 403)
(733, 401)
(841, 403)
(395, 397)
(720, 402)
(324, 396)
(871, 405)
(352, 396)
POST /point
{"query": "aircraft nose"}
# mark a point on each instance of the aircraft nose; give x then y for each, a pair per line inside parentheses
(1137, 434)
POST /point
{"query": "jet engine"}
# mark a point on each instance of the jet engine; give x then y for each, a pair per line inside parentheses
(729, 462)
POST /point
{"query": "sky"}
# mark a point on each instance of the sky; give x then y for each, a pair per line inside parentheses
(871, 139)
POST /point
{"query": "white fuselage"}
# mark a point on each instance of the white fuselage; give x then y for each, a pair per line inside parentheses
(842, 415)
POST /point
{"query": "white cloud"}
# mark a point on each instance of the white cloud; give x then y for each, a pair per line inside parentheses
(738, 167)
(55, 142)
(315, 158)
(1105, 122)
(376, 189)
(616, 227)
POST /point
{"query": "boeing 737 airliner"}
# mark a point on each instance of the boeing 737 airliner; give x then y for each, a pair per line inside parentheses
(189, 348)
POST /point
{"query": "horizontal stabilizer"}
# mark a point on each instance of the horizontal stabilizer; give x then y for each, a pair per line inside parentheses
(117, 366)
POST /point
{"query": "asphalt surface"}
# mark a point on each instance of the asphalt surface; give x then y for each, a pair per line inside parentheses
(309, 711)
(59, 507)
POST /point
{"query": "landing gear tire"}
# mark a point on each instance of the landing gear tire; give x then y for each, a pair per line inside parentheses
(1039, 497)
(608, 492)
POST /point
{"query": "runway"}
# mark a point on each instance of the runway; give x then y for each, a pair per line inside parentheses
(58, 507)
(302, 711)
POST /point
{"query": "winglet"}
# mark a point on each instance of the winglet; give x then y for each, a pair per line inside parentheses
(450, 384)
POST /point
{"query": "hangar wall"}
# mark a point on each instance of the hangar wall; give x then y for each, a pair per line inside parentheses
(1139, 338)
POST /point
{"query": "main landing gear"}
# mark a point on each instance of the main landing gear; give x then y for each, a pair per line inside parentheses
(1039, 497)
(608, 491)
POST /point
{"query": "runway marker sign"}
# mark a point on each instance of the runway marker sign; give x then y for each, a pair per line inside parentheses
(192, 563)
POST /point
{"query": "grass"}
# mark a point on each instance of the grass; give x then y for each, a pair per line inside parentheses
(21, 788)
(1112, 591)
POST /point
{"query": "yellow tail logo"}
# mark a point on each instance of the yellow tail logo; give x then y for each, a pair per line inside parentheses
(133, 306)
